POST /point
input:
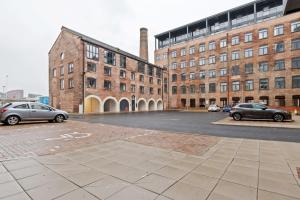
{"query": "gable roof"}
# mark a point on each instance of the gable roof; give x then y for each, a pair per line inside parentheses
(106, 46)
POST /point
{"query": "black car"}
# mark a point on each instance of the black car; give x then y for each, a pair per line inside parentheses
(258, 111)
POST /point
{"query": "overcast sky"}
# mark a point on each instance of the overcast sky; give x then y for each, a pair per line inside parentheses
(29, 28)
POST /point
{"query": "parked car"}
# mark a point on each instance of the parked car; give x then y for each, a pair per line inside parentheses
(214, 108)
(258, 111)
(13, 113)
(226, 108)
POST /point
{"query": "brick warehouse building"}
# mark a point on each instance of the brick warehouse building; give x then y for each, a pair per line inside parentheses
(109, 79)
(247, 54)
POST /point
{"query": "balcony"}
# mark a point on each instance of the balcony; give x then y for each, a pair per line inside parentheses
(242, 21)
(219, 27)
(269, 13)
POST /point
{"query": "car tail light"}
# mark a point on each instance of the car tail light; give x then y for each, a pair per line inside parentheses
(3, 110)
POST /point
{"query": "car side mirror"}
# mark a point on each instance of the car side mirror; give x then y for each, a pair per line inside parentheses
(264, 108)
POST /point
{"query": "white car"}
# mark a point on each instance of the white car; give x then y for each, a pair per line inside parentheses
(214, 108)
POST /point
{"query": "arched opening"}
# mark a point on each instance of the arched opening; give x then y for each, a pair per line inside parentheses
(124, 106)
(151, 106)
(91, 105)
(160, 105)
(110, 105)
(142, 105)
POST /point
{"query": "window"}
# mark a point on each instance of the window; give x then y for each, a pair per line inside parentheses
(174, 89)
(192, 63)
(279, 47)
(132, 88)
(107, 85)
(235, 70)
(279, 82)
(212, 87)
(142, 89)
(71, 83)
(22, 106)
(279, 65)
(109, 58)
(91, 82)
(263, 67)
(141, 78)
(212, 73)
(212, 45)
(223, 57)
(107, 71)
(296, 81)
(62, 84)
(223, 43)
(280, 100)
(278, 30)
(150, 70)
(248, 53)
(183, 52)
(92, 52)
(54, 72)
(157, 58)
(158, 81)
(249, 68)
(91, 67)
(248, 37)
(249, 85)
(264, 84)
(235, 55)
(263, 50)
(159, 91)
(235, 40)
(39, 107)
(192, 89)
(165, 56)
(151, 80)
(122, 87)
(174, 77)
(263, 34)
(183, 89)
(141, 67)
(174, 65)
(62, 71)
(62, 55)
(151, 90)
(174, 54)
(122, 74)
(183, 76)
(223, 72)
(202, 88)
(132, 76)
(295, 26)
(122, 61)
(296, 63)
(70, 68)
(202, 47)
(235, 86)
(202, 61)
(223, 87)
(192, 76)
(192, 50)
(212, 60)
(183, 64)
(295, 44)
(202, 74)
(158, 72)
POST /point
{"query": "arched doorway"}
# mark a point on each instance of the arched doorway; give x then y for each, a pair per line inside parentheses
(124, 106)
(151, 106)
(142, 105)
(110, 105)
(92, 104)
(133, 103)
(160, 105)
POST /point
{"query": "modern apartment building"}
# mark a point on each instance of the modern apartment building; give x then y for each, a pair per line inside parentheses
(86, 75)
(247, 54)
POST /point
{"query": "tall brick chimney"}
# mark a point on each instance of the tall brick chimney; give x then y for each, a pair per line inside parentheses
(144, 44)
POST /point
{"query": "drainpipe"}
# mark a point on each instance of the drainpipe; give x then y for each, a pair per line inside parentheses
(83, 80)
(228, 70)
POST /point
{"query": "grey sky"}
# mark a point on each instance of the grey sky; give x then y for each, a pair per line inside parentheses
(29, 28)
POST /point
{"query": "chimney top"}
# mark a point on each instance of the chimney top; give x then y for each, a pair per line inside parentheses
(144, 43)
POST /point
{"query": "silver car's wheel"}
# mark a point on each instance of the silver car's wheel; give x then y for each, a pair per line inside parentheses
(59, 118)
(12, 120)
(237, 116)
(278, 118)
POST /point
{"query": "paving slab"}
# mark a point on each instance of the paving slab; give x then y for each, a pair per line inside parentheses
(9, 189)
(78, 194)
(133, 192)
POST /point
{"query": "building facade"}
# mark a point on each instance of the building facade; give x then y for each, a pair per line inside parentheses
(15, 94)
(246, 54)
(86, 75)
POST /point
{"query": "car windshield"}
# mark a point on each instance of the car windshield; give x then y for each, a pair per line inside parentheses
(259, 106)
(6, 105)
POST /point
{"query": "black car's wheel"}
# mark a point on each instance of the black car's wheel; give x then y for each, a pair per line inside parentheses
(12, 120)
(278, 117)
(237, 116)
(59, 118)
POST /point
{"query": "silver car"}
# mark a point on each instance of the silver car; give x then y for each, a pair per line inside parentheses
(13, 113)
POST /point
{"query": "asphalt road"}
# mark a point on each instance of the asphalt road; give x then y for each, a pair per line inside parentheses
(200, 123)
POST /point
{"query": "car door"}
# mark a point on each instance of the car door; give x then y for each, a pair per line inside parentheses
(22, 110)
(40, 112)
(247, 110)
(260, 111)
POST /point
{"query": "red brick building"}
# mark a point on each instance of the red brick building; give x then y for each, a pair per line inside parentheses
(246, 54)
(91, 76)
